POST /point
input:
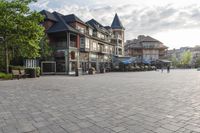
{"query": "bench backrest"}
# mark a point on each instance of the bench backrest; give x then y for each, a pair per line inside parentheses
(15, 72)
(22, 72)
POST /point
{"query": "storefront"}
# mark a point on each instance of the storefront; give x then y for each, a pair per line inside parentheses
(84, 62)
(73, 60)
(93, 61)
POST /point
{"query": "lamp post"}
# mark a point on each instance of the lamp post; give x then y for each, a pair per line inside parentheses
(1, 39)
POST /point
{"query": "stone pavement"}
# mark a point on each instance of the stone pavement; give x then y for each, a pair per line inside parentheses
(134, 102)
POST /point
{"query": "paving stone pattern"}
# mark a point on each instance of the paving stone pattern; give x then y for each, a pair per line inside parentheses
(130, 102)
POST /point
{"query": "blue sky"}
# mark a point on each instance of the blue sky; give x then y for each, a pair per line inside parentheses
(176, 23)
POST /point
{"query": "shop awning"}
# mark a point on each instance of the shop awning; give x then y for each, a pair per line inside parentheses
(163, 61)
(128, 61)
(146, 61)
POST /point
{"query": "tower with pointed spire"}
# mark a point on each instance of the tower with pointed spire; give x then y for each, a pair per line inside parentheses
(118, 36)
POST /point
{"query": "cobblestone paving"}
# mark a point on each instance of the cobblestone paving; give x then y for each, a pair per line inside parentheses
(135, 102)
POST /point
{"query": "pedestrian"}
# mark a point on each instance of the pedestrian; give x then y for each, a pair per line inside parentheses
(168, 69)
(162, 69)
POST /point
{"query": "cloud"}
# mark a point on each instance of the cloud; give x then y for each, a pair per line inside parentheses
(136, 18)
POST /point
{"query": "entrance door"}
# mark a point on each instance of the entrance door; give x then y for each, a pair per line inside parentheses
(72, 67)
(85, 67)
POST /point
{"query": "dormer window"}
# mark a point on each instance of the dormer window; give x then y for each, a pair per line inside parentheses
(90, 32)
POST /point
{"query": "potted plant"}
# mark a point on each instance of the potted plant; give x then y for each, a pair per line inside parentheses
(92, 70)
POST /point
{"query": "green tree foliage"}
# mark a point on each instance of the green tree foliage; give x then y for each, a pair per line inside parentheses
(174, 61)
(45, 50)
(186, 58)
(19, 26)
(197, 62)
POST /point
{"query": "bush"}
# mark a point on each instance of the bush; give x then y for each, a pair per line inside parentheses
(5, 76)
(38, 71)
(31, 72)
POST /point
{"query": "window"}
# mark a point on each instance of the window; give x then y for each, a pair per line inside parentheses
(81, 29)
(82, 42)
(94, 46)
(111, 49)
(73, 55)
(93, 55)
(98, 47)
(106, 49)
(90, 32)
(98, 35)
(87, 43)
(102, 36)
(105, 57)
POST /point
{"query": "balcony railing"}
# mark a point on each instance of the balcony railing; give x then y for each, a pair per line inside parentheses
(60, 45)
(117, 36)
(73, 44)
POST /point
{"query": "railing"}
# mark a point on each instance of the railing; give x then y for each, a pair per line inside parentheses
(60, 45)
(117, 36)
(72, 44)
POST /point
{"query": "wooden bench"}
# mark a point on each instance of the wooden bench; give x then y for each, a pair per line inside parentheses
(16, 73)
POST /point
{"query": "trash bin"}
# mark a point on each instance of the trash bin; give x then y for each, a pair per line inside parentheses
(77, 72)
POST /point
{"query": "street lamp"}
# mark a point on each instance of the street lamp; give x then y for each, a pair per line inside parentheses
(1, 39)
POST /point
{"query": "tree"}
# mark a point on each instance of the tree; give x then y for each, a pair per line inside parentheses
(19, 26)
(197, 63)
(186, 58)
(45, 50)
(174, 61)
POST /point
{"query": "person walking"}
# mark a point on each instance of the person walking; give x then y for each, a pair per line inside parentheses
(168, 69)
(162, 68)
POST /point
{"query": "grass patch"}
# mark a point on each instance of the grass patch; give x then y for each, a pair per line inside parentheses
(5, 76)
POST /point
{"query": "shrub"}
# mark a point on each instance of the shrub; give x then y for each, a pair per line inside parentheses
(31, 72)
(5, 76)
(38, 71)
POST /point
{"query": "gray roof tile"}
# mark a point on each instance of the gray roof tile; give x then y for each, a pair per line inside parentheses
(116, 24)
(48, 15)
(71, 18)
(61, 25)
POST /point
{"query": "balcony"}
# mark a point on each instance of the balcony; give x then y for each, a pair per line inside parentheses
(60, 45)
(117, 37)
(73, 44)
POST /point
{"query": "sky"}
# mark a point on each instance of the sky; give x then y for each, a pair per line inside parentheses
(176, 23)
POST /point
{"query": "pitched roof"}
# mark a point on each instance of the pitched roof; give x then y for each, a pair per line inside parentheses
(137, 43)
(61, 25)
(71, 18)
(48, 15)
(96, 25)
(149, 39)
(116, 24)
(107, 27)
